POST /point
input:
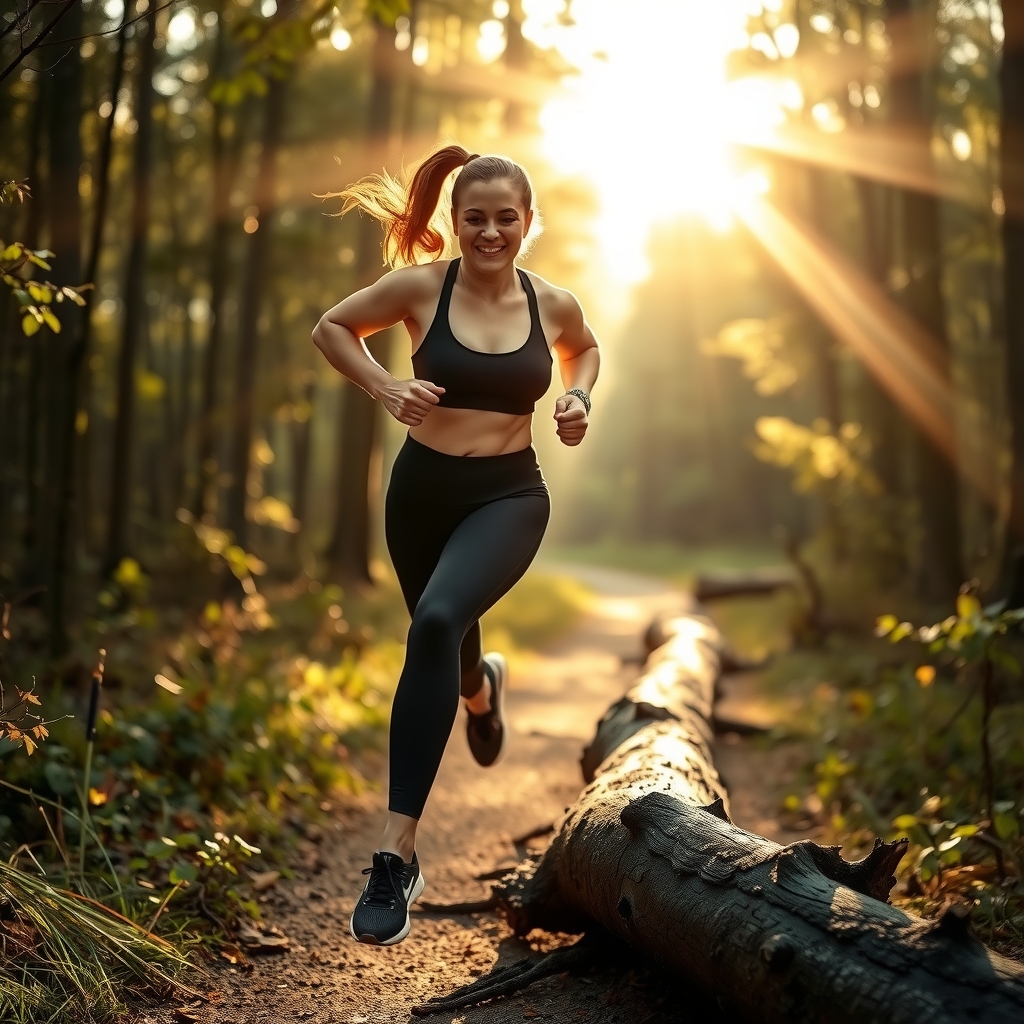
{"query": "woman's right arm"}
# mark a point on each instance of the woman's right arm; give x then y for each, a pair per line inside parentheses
(340, 333)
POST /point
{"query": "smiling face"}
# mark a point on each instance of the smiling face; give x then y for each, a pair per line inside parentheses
(491, 222)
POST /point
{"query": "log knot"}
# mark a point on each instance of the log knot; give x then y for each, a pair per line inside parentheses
(778, 952)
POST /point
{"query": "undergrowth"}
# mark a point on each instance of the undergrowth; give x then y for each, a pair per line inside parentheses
(230, 718)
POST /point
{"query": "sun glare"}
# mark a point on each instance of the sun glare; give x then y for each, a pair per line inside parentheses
(651, 116)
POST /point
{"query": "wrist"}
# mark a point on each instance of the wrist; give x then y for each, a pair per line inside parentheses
(582, 395)
(377, 388)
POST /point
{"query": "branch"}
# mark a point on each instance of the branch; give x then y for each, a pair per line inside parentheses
(37, 42)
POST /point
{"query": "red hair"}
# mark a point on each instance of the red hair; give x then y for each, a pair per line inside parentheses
(413, 232)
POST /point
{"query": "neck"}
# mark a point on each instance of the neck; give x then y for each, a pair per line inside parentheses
(491, 286)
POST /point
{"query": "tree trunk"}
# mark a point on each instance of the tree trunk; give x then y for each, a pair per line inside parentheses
(937, 488)
(1012, 142)
(63, 370)
(786, 935)
(101, 178)
(358, 444)
(301, 448)
(119, 513)
(225, 163)
(253, 289)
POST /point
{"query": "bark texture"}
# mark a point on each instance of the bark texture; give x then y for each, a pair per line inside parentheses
(785, 934)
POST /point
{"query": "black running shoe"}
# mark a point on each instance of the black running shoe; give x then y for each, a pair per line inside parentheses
(381, 917)
(486, 732)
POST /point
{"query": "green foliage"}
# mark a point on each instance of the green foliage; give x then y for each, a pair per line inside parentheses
(35, 298)
(538, 609)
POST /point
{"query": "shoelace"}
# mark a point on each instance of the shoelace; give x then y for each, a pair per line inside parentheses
(382, 889)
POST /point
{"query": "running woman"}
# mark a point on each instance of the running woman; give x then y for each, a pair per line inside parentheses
(467, 505)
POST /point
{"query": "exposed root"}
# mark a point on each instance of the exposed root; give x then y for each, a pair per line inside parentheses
(507, 981)
(469, 907)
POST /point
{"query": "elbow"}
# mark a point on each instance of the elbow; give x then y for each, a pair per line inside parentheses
(319, 335)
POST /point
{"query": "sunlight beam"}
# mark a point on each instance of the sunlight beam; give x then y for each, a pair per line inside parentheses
(903, 357)
(898, 157)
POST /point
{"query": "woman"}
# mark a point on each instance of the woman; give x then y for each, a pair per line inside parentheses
(467, 505)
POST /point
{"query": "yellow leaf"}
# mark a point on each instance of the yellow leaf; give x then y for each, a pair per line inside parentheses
(96, 797)
(29, 325)
(29, 745)
(14, 735)
(40, 732)
(967, 605)
(51, 320)
(168, 684)
(128, 573)
(925, 674)
(885, 624)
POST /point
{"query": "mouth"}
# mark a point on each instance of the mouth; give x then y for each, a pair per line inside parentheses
(489, 250)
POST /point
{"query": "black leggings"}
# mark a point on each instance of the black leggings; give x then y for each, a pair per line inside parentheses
(461, 531)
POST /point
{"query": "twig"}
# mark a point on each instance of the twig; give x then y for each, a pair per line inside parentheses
(90, 740)
(514, 978)
(469, 907)
(159, 910)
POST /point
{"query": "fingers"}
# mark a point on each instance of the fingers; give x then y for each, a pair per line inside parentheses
(572, 414)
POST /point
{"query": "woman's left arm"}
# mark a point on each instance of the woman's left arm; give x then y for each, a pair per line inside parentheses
(579, 361)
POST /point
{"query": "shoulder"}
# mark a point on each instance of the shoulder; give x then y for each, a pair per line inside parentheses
(413, 283)
(558, 304)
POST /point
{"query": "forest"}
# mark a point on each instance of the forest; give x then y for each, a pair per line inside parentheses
(796, 228)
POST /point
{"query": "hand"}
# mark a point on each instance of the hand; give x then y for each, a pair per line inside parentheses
(571, 419)
(409, 401)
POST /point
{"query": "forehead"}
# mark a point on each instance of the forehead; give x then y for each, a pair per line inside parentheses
(490, 196)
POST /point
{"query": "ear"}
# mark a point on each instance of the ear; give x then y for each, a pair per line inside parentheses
(455, 222)
(527, 222)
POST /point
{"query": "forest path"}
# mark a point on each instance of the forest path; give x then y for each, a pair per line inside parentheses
(554, 701)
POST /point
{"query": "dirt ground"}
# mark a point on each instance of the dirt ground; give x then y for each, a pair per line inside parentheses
(471, 818)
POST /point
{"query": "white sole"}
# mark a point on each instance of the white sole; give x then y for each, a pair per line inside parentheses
(370, 940)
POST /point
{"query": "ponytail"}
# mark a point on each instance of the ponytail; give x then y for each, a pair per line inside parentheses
(413, 233)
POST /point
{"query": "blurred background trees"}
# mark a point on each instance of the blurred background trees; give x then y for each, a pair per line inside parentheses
(174, 154)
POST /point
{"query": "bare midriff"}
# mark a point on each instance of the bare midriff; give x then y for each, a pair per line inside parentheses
(473, 432)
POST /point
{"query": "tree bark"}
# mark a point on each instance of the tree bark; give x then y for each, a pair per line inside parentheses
(786, 935)
(63, 371)
(1012, 143)
(358, 443)
(119, 514)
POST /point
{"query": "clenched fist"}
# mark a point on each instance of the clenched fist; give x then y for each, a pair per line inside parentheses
(571, 419)
(409, 401)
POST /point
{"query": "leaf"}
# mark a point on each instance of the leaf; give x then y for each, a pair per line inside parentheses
(97, 797)
(29, 745)
(30, 698)
(925, 674)
(885, 624)
(905, 821)
(968, 606)
(168, 684)
(263, 880)
(29, 325)
(1006, 825)
(966, 831)
(50, 317)
(183, 871)
(901, 632)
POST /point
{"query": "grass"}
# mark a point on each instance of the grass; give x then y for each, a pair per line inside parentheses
(66, 957)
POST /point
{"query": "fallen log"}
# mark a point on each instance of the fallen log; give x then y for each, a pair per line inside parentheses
(787, 934)
(709, 586)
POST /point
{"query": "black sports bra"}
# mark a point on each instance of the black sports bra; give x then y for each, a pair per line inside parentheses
(509, 382)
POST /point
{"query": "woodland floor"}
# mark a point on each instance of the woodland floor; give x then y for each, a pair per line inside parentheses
(554, 702)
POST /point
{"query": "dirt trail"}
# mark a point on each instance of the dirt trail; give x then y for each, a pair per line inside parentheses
(554, 701)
